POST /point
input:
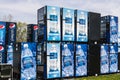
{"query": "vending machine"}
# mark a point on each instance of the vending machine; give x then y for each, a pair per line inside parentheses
(28, 61)
(109, 29)
(104, 59)
(2, 32)
(94, 27)
(81, 18)
(49, 23)
(67, 60)
(32, 32)
(53, 64)
(68, 24)
(81, 60)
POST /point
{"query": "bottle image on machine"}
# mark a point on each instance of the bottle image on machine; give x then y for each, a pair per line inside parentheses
(81, 62)
(53, 60)
(82, 24)
(28, 71)
(67, 62)
(68, 23)
(114, 30)
(53, 21)
(2, 34)
(113, 60)
(10, 54)
(104, 60)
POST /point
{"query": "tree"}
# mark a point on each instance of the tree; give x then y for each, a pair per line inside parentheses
(21, 32)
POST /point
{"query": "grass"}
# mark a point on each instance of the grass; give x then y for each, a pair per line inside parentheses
(101, 77)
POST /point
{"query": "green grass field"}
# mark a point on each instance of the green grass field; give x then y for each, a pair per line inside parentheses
(101, 77)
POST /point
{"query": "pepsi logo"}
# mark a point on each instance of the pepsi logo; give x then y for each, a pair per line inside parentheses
(35, 27)
(2, 26)
(1, 48)
(12, 25)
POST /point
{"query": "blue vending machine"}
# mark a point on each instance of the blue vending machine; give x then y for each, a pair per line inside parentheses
(81, 60)
(113, 58)
(28, 61)
(109, 29)
(104, 59)
(49, 23)
(53, 61)
(67, 60)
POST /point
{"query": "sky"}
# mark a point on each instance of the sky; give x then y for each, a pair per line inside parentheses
(26, 10)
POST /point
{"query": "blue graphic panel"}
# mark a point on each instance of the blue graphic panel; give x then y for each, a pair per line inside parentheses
(28, 61)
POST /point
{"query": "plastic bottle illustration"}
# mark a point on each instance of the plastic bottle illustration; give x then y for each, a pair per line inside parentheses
(104, 60)
(28, 65)
(113, 60)
(10, 55)
(81, 63)
(53, 21)
(53, 59)
(82, 24)
(67, 62)
(68, 23)
(114, 31)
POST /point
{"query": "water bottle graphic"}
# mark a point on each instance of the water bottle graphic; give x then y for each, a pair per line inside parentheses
(53, 21)
(2, 30)
(82, 24)
(27, 63)
(114, 31)
(81, 61)
(68, 23)
(10, 55)
(113, 60)
(53, 59)
(67, 61)
(104, 60)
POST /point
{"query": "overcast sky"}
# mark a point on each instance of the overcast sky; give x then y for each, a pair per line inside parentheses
(26, 10)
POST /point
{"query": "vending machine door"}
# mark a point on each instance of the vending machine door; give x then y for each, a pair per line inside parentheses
(28, 61)
(113, 58)
(113, 29)
(81, 60)
(82, 26)
(104, 59)
(53, 23)
(53, 60)
(67, 60)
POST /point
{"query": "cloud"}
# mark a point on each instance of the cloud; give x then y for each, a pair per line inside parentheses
(26, 10)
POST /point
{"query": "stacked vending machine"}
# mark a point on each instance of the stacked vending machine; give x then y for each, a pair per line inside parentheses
(81, 43)
(109, 36)
(67, 42)
(94, 43)
(7, 36)
(49, 35)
